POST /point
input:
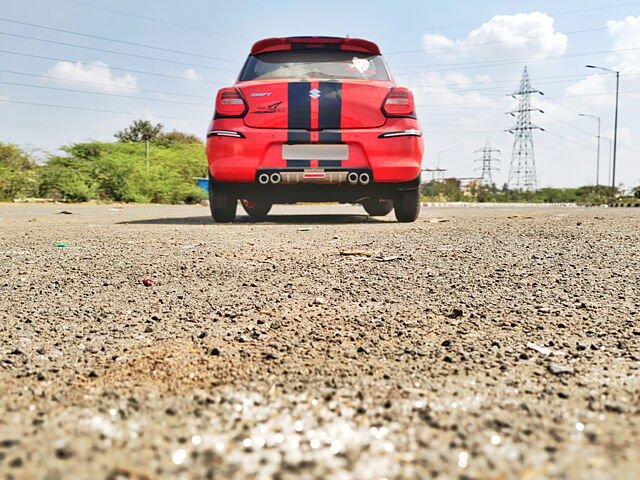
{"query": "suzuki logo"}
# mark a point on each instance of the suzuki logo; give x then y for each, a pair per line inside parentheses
(315, 93)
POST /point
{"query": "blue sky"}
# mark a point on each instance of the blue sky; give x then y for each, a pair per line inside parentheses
(462, 59)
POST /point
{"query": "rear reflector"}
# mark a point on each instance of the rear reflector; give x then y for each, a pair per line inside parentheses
(230, 103)
(399, 103)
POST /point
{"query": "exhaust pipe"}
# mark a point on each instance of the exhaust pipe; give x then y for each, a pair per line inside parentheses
(263, 179)
(275, 178)
(352, 178)
(365, 178)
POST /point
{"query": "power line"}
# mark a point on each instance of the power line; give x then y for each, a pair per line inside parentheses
(510, 80)
(151, 19)
(497, 88)
(568, 140)
(460, 25)
(483, 64)
(71, 107)
(464, 104)
(121, 69)
(104, 94)
(123, 42)
(113, 52)
(569, 125)
(102, 84)
(491, 42)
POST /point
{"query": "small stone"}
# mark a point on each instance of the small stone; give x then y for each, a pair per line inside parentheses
(580, 347)
(455, 313)
(447, 359)
(170, 411)
(319, 301)
(613, 408)
(64, 453)
(556, 369)
(214, 351)
(16, 463)
(362, 350)
(270, 356)
(563, 395)
(524, 356)
(8, 443)
(202, 335)
(92, 374)
(446, 343)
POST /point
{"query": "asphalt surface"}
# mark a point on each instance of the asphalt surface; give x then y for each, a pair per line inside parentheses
(476, 343)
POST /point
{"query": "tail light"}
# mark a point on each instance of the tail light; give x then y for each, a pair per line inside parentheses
(230, 103)
(399, 103)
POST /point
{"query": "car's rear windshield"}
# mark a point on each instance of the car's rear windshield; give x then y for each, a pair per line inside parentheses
(316, 63)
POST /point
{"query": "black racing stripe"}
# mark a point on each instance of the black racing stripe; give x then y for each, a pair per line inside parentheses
(299, 107)
(330, 137)
(330, 108)
(298, 136)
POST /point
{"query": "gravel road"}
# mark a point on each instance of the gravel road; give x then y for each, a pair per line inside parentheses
(476, 343)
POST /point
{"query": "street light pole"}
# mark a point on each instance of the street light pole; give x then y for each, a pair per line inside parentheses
(598, 156)
(615, 134)
(615, 128)
(610, 155)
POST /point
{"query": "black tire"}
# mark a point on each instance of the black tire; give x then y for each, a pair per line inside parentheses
(257, 209)
(223, 206)
(377, 207)
(407, 205)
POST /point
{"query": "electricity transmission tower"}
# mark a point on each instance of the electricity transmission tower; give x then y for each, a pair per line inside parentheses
(522, 171)
(487, 163)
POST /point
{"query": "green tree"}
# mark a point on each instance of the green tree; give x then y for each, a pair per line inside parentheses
(177, 138)
(140, 131)
(18, 173)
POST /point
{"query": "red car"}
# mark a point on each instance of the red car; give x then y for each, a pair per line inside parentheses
(315, 119)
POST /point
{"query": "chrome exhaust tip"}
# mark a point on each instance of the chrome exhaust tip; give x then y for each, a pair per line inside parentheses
(263, 179)
(352, 178)
(365, 178)
(275, 178)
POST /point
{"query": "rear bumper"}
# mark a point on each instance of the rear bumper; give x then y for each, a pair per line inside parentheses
(314, 192)
(392, 153)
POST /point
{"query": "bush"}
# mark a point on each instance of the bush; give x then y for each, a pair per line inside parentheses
(120, 172)
(18, 174)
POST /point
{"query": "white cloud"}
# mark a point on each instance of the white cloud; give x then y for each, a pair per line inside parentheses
(190, 74)
(503, 37)
(626, 34)
(96, 76)
(591, 91)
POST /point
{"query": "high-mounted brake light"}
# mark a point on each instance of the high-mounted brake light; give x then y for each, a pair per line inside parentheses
(230, 103)
(399, 103)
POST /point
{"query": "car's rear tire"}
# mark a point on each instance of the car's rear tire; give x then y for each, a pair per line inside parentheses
(256, 209)
(223, 206)
(407, 205)
(377, 207)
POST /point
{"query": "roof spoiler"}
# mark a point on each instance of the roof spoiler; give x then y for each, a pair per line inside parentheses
(294, 43)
